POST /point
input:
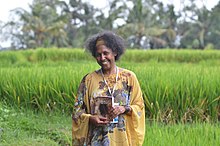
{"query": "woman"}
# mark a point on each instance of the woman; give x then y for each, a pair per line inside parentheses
(109, 108)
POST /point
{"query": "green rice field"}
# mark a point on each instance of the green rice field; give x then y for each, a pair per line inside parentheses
(24, 128)
(180, 89)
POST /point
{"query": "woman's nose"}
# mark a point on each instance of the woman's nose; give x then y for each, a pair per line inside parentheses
(102, 57)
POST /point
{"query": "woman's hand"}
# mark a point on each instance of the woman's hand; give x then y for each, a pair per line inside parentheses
(98, 120)
(116, 110)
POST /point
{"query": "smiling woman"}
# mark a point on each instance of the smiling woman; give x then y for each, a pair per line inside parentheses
(106, 48)
(112, 89)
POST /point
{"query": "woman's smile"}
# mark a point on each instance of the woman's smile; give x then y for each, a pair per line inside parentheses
(105, 58)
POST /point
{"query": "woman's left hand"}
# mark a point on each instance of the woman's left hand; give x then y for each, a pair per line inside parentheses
(117, 110)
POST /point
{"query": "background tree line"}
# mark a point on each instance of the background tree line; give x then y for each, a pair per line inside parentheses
(147, 24)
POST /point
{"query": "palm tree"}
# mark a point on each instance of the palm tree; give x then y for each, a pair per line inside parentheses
(200, 18)
(142, 27)
(42, 26)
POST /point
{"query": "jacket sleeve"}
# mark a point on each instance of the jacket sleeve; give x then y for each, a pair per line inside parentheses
(136, 121)
(80, 116)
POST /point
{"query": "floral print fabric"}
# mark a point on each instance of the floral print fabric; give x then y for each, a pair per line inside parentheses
(129, 130)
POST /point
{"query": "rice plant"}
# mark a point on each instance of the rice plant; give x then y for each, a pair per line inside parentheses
(177, 85)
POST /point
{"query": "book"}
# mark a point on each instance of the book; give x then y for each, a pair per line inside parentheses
(103, 104)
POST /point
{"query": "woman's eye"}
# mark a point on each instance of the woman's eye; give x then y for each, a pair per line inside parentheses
(106, 53)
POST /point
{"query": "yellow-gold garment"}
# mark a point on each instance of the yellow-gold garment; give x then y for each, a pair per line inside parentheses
(130, 129)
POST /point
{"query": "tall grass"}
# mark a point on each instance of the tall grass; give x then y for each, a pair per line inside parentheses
(200, 134)
(25, 128)
(41, 88)
(34, 56)
(47, 80)
(166, 55)
(183, 92)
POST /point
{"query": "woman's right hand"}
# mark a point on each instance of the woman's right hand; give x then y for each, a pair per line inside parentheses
(98, 120)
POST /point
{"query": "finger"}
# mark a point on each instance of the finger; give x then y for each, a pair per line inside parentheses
(102, 118)
(101, 123)
(111, 109)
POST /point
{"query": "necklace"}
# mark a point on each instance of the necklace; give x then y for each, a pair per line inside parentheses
(116, 79)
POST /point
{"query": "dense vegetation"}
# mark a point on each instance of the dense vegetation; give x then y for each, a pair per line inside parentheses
(24, 128)
(148, 24)
(178, 85)
(180, 88)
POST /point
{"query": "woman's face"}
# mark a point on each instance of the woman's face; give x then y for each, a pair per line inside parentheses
(105, 57)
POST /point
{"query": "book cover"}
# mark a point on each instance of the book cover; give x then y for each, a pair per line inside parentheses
(103, 105)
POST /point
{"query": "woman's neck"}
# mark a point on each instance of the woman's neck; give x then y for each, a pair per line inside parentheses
(113, 70)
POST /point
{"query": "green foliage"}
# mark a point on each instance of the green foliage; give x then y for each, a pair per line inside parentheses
(24, 128)
(69, 55)
(209, 46)
(40, 55)
(55, 23)
(168, 55)
(43, 26)
(175, 92)
(177, 85)
(182, 135)
(41, 88)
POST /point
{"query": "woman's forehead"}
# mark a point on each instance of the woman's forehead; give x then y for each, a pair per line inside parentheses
(103, 48)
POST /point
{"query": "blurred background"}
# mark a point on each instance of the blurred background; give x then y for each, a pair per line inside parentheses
(179, 73)
(144, 24)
